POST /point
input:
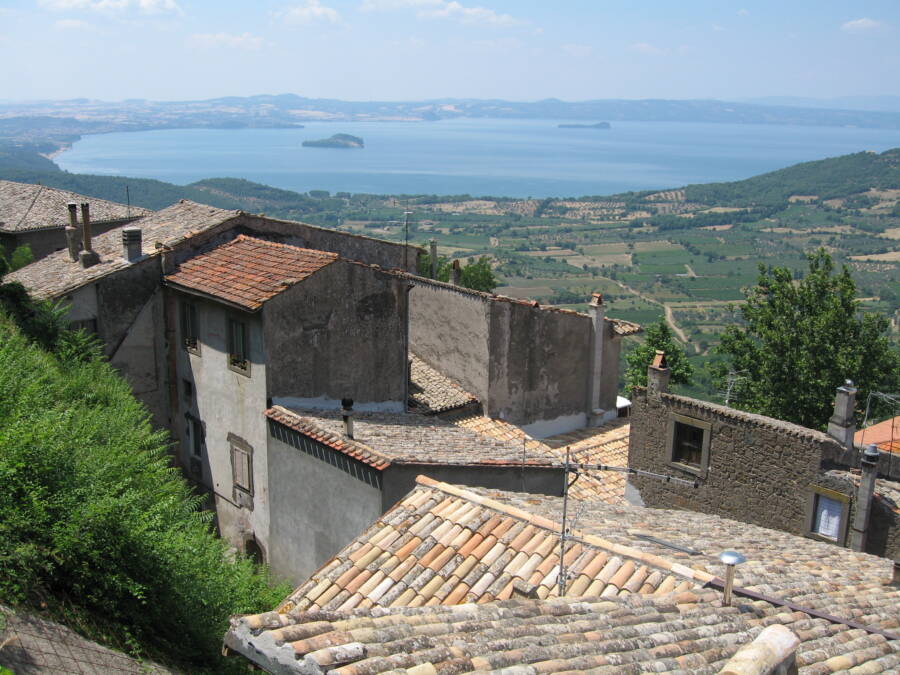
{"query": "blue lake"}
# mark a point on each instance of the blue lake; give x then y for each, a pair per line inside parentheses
(516, 158)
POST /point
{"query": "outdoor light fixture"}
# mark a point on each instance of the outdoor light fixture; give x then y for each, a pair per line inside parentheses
(730, 558)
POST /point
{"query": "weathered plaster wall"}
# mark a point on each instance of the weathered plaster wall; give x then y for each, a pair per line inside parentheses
(883, 535)
(44, 242)
(448, 329)
(340, 333)
(399, 479)
(317, 509)
(759, 472)
(226, 402)
(539, 364)
(141, 359)
(609, 374)
(385, 254)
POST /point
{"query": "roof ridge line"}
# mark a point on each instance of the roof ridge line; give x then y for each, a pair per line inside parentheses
(540, 521)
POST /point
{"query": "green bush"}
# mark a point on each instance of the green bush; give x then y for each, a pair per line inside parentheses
(93, 515)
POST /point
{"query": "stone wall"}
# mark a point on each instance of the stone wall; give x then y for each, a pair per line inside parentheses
(760, 469)
(387, 254)
(341, 333)
(448, 329)
(539, 365)
(527, 364)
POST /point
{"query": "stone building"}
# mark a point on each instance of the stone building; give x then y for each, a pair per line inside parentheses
(457, 579)
(216, 317)
(36, 215)
(761, 470)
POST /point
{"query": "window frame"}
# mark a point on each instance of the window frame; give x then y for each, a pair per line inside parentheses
(238, 365)
(197, 435)
(706, 427)
(815, 492)
(241, 452)
(189, 324)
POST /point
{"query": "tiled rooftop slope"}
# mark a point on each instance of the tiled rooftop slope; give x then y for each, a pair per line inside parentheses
(57, 274)
(248, 271)
(607, 444)
(431, 392)
(439, 585)
(381, 439)
(34, 207)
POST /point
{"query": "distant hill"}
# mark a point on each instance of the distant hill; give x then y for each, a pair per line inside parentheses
(826, 178)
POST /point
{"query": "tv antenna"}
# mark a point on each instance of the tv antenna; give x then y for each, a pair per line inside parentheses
(406, 215)
(565, 531)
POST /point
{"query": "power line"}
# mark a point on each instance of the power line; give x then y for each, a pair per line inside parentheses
(577, 468)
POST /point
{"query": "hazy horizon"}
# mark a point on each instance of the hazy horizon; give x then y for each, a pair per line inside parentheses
(409, 50)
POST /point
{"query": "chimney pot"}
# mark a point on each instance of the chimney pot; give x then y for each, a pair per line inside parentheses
(131, 243)
(347, 416)
(456, 274)
(842, 424)
(658, 375)
(869, 472)
(86, 225)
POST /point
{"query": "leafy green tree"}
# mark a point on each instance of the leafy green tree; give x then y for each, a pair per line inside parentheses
(479, 276)
(20, 257)
(443, 267)
(657, 336)
(802, 339)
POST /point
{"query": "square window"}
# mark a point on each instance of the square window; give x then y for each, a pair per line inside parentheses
(195, 427)
(241, 471)
(187, 388)
(688, 447)
(828, 515)
(238, 352)
(189, 331)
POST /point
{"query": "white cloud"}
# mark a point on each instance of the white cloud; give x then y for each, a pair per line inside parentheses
(444, 9)
(477, 15)
(861, 25)
(72, 24)
(647, 48)
(578, 51)
(717, 28)
(312, 11)
(244, 41)
(143, 6)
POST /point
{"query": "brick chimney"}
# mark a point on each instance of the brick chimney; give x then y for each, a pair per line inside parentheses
(131, 243)
(869, 471)
(658, 375)
(88, 256)
(842, 424)
(72, 231)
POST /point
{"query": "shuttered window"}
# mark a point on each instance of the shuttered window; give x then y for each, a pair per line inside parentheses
(242, 469)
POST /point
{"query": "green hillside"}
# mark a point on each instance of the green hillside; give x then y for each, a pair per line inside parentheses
(826, 178)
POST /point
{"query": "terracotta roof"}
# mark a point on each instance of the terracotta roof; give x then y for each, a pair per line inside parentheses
(432, 392)
(25, 207)
(447, 545)
(248, 271)
(623, 327)
(57, 275)
(381, 439)
(886, 435)
(607, 444)
(393, 599)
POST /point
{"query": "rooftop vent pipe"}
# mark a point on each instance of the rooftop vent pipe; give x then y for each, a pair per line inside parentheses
(88, 256)
(72, 231)
(730, 558)
(869, 470)
(347, 416)
(131, 243)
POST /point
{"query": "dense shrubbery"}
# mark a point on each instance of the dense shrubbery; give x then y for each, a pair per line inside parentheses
(93, 516)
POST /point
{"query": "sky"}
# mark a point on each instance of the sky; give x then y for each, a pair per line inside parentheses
(420, 49)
